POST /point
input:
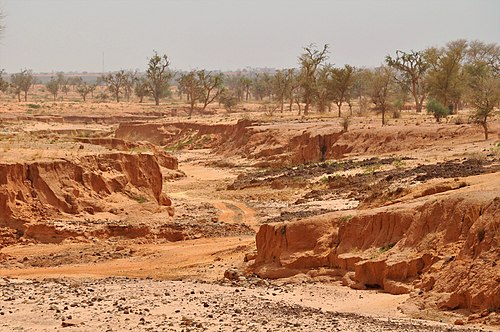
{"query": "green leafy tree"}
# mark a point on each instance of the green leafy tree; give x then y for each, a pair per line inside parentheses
(483, 81)
(141, 88)
(83, 89)
(228, 100)
(342, 82)
(115, 82)
(212, 86)
(437, 109)
(158, 76)
(310, 61)
(52, 86)
(129, 81)
(411, 69)
(324, 89)
(4, 85)
(445, 81)
(190, 85)
(262, 86)
(381, 88)
(21, 83)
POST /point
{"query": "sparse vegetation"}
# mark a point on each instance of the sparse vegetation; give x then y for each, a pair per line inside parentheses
(437, 110)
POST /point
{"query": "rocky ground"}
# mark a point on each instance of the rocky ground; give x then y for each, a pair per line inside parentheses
(125, 304)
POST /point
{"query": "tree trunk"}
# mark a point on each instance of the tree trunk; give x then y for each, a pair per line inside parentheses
(19, 97)
(290, 104)
(298, 104)
(339, 107)
(383, 117)
(157, 100)
(485, 127)
(25, 95)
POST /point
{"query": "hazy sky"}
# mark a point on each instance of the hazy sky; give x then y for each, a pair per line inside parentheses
(72, 35)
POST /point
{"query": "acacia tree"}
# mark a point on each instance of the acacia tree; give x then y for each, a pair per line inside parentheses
(212, 86)
(411, 70)
(483, 81)
(84, 89)
(141, 88)
(158, 76)
(280, 85)
(380, 89)
(310, 61)
(129, 81)
(115, 82)
(22, 82)
(445, 80)
(342, 82)
(190, 85)
(52, 86)
(4, 85)
(324, 87)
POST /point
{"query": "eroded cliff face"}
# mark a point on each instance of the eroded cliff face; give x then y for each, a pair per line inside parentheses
(281, 144)
(446, 249)
(33, 195)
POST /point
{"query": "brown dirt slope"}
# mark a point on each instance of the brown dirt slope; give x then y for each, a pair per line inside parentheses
(444, 246)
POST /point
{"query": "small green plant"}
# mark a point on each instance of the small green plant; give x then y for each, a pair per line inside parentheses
(346, 218)
(398, 163)
(283, 230)
(34, 106)
(387, 247)
(370, 169)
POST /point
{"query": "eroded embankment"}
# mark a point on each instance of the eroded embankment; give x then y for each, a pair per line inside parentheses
(444, 250)
(34, 195)
(290, 143)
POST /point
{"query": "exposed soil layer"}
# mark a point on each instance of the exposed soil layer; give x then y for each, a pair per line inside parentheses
(445, 250)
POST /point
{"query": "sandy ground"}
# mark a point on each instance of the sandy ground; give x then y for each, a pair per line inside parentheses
(140, 285)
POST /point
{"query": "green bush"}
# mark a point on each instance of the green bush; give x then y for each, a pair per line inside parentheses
(437, 109)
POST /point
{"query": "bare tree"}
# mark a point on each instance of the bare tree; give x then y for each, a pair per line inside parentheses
(310, 61)
(158, 76)
(411, 70)
(22, 82)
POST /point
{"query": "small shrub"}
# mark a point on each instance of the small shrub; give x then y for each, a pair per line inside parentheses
(396, 114)
(437, 109)
(34, 106)
(387, 247)
(346, 218)
(345, 122)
